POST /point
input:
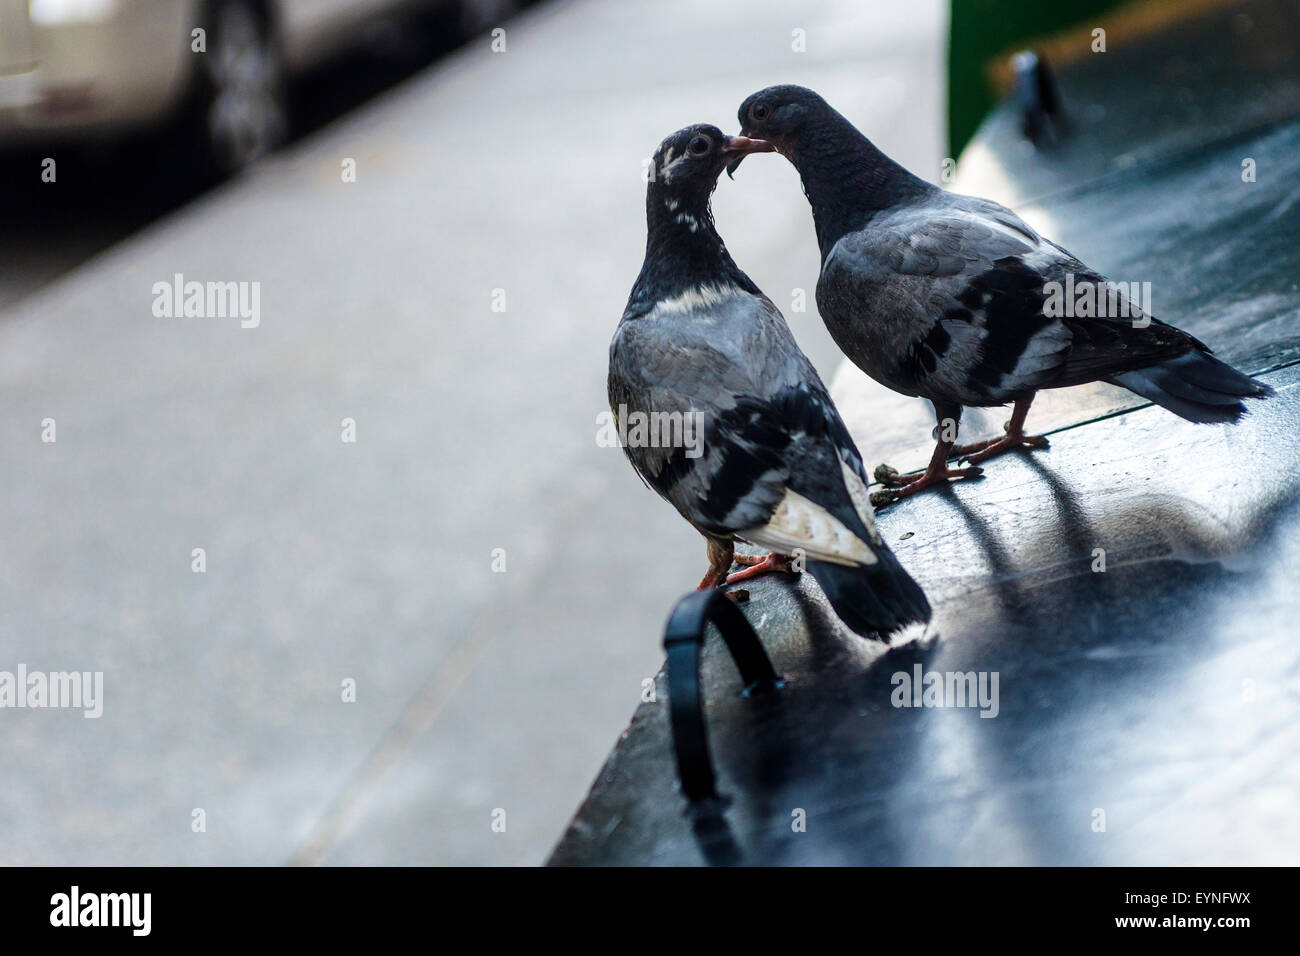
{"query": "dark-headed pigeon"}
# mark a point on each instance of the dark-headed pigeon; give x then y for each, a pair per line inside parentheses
(957, 300)
(727, 419)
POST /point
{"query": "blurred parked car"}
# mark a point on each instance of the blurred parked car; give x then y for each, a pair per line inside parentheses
(95, 70)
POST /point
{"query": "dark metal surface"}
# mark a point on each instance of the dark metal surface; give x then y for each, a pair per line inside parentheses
(1163, 692)
(1147, 713)
(1175, 91)
(1149, 184)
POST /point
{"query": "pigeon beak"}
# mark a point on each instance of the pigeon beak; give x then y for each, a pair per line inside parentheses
(741, 146)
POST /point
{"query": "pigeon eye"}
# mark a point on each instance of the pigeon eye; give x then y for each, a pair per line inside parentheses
(699, 145)
(758, 112)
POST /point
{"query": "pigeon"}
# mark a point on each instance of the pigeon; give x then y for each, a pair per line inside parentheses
(957, 300)
(762, 455)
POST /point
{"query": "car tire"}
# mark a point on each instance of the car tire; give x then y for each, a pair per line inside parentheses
(240, 110)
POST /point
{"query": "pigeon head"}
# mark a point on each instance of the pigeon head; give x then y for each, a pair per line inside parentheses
(846, 178)
(684, 252)
(688, 163)
(780, 115)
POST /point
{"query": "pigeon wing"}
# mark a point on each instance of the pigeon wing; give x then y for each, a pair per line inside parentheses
(777, 466)
(970, 281)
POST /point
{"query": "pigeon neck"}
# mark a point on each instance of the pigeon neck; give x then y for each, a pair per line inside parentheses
(848, 180)
(683, 251)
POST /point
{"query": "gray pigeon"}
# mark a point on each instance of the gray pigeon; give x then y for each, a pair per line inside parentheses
(957, 300)
(726, 418)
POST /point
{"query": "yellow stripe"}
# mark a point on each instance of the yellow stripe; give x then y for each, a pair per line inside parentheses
(1122, 25)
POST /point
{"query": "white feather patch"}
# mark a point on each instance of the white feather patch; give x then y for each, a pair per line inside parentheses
(698, 297)
(669, 164)
(800, 523)
(861, 499)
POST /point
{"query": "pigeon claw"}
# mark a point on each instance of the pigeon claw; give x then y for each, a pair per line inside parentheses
(880, 499)
(756, 565)
(890, 478)
(713, 579)
(908, 485)
(999, 446)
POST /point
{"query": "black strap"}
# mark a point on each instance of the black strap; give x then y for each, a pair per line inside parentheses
(683, 642)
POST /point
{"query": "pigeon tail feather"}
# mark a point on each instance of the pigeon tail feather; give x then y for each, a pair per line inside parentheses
(872, 600)
(1195, 386)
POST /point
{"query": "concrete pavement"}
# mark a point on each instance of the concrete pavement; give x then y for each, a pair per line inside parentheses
(327, 561)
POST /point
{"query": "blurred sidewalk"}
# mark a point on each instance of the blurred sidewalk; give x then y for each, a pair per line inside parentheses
(476, 691)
